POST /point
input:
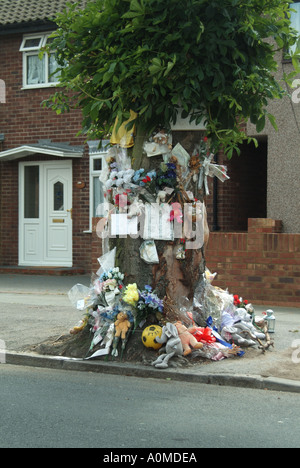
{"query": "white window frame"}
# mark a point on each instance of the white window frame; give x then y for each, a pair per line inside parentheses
(95, 154)
(34, 51)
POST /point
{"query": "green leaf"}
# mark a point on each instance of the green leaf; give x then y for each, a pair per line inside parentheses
(272, 120)
(261, 124)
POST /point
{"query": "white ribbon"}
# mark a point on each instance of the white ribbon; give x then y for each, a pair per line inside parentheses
(210, 169)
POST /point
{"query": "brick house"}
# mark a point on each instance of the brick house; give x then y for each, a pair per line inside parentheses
(45, 168)
(49, 178)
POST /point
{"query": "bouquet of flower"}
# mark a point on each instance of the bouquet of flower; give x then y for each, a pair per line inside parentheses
(149, 301)
(240, 302)
(166, 176)
(113, 273)
(143, 302)
(131, 295)
(109, 286)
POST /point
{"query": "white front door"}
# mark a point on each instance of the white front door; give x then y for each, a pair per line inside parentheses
(45, 214)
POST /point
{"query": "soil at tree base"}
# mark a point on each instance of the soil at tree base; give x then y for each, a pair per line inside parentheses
(78, 346)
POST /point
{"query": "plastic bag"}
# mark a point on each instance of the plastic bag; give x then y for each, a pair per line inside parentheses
(82, 297)
(211, 301)
(107, 262)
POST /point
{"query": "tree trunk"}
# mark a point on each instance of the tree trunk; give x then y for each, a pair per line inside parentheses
(170, 278)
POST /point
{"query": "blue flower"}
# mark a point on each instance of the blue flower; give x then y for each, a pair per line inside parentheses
(151, 174)
(137, 175)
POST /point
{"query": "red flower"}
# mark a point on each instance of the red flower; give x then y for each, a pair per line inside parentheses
(246, 302)
(121, 200)
(205, 139)
(148, 179)
(145, 181)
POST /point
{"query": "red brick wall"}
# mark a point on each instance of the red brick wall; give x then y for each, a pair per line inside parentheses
(24, 121)
(244, 195)
(22, 118)
(262, 265)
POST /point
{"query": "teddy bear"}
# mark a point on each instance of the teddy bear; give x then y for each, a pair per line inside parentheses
(122, 325)
(187, 339)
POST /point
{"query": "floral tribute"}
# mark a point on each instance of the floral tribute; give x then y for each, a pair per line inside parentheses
(113, 309)
(108, 301)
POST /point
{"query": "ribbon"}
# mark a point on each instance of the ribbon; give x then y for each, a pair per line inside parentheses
(210, 169)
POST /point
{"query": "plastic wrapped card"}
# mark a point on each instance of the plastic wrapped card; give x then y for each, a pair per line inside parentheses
(157, 222)
(181, 154)
(148, 252)
(122, 226)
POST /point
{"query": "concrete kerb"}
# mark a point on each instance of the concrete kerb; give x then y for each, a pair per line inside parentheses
(135, 370)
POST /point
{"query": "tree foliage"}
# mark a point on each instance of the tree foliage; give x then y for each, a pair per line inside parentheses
(207, 59)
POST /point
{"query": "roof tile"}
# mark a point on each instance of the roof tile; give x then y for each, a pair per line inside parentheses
(24, 11)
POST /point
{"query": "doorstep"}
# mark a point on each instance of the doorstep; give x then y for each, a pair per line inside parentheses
(44, 271)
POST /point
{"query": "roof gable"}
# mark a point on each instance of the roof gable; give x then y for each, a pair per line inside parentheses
(16, 12)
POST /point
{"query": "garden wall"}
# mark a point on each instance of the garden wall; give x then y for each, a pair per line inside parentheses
(261, 265)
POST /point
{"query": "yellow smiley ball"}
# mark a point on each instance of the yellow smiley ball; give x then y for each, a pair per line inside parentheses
(149, 335)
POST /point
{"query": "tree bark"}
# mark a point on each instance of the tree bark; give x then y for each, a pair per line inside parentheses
(171, 278)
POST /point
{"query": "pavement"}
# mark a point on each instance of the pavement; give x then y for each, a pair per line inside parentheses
(34, 308)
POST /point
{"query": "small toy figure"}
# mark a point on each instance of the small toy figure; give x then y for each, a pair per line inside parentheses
(80, 326)
(235, 335)
(122, 326)
(173, 346)
(187, 339)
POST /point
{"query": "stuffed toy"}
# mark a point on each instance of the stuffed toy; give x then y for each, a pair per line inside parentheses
(161, 196)
(236, 335)
(173, 346)
(122, 326)
(79, 327)
(187, 339)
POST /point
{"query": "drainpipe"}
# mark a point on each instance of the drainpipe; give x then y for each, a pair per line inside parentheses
(215, 201)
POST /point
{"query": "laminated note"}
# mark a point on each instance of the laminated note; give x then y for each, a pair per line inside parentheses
(157, 222)
(122, 226)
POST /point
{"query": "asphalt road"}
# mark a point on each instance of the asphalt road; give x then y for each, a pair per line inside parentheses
(42, 408)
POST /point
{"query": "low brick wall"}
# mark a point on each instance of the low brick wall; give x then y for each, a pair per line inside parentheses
(261, 265)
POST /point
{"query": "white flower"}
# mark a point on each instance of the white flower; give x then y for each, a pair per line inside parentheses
(109, 184)
(113, 175)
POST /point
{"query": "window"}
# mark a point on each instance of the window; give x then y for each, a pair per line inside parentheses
(98, 164)
(295, 20)
(37, 72)
(31, 199)
(58, 196)
(96, 190)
